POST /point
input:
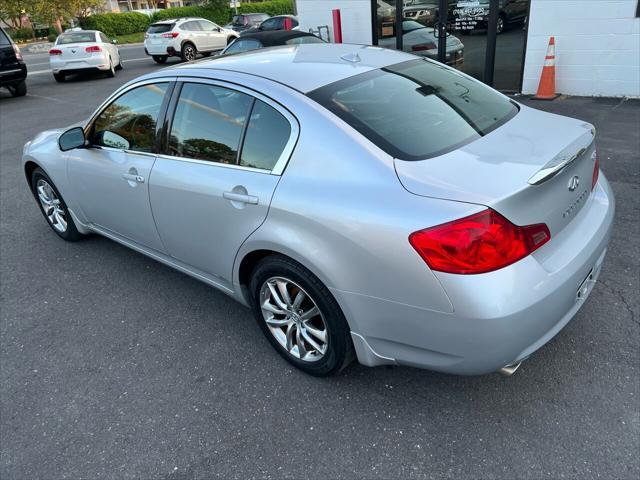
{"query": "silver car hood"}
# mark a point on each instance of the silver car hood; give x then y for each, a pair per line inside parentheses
(496, 170)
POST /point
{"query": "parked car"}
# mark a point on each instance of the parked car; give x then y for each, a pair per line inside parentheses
(358, 199)
(427, 12)
(245, 21)
(81, 51)
(511, 12)
(274, 23)
(13, 70)
(185, 38)
(420, 40)
(256, 40)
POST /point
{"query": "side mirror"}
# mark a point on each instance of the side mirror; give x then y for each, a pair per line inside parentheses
(217, 29)
(114, 41)
(72, 138)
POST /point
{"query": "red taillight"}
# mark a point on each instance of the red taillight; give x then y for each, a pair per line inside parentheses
(55, 51)
(479, 243)
(171, 34)
(596, 171)
(16, 51)
(424, 46)
(93, 49)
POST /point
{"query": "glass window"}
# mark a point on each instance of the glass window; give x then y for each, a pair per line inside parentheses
(130, 121)
(160, 28)
(207, 26)
(208, 123)
(193, 26)
(243, 45)
(267, 134)
(270, 24)
(416, 109)
(104, 38)
(4, 39)
(76, 37)
(304, 39)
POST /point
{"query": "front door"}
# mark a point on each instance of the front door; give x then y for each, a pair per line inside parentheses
(111, 177)
(216, 39)
(208, 193)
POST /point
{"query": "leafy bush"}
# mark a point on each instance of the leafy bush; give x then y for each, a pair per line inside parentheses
(215, 11)
(51, 37)
(113, 24)
(20, 34)
(271, 8)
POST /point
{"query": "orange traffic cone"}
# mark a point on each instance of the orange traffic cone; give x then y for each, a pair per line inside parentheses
(547, 87)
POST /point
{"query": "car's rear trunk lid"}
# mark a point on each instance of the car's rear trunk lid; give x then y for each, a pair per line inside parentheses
(506, 170)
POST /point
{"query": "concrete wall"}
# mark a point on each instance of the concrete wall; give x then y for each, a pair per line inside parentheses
(597, 46)
(355, 14)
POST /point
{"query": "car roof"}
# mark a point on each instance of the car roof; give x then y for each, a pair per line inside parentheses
(303, 67)
(276, 37)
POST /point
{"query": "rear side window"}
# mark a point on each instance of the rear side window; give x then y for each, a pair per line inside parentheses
(208, 123)
(161, 28)
(416, 109)
(193, 26)
(267, 134)
(76, 37)
(4, 39)
(129, 122)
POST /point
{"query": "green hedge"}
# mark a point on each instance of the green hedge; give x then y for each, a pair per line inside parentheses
(20, 34)
(117, 23)
(271, 8)
(217, 11)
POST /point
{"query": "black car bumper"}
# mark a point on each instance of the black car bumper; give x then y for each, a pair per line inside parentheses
(13, 74)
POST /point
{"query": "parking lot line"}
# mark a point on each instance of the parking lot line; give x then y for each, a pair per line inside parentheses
(40, 72)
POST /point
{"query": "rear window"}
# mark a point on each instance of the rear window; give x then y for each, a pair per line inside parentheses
(304, 39)
(76, 37)
(416, 109)
(160, 28)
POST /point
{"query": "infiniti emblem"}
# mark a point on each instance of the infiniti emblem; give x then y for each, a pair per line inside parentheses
(573, 183)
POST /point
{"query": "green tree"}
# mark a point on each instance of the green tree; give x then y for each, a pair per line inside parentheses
(11, 11)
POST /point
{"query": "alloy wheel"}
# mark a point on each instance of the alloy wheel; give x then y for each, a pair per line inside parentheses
(51, 206)
(294, 319)
(189, 53)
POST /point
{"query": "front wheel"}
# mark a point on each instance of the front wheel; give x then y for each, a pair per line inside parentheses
(300, 317)
(53, 207)
(18, 89)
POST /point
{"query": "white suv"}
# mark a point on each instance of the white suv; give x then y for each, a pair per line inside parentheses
(185, 38)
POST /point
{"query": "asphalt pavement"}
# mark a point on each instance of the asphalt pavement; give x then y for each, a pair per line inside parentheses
(115, 366)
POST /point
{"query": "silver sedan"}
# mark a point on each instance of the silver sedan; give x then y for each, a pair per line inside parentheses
(364, 203)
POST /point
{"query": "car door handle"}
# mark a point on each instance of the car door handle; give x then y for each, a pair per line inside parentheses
(130, 177)
(239, 197)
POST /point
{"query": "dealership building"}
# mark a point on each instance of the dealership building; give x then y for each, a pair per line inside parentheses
(502, 42)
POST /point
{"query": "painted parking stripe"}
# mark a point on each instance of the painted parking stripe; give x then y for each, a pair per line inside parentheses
(40, 72)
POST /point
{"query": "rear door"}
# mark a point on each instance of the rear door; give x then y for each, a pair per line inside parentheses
(212, 187)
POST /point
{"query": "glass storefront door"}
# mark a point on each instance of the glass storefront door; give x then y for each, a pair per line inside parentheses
(464, 25)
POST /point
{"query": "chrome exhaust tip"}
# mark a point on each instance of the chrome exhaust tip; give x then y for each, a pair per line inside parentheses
(509, 370)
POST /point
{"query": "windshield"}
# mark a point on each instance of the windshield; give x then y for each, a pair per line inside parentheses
(410, 26)
(76, 37)
(416, 109)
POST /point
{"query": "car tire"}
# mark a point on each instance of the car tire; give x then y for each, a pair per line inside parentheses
(188, 52)
(18, 89)
(52, 206)
(119, 66)
(112, 70)
(287, 329)
(60, 77)
(159, 58)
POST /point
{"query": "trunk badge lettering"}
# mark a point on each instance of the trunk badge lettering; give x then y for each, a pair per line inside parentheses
(573, 183)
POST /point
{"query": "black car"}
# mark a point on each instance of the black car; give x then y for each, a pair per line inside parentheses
(273, 23)
(256, 40)
(245, 21)
(510, 12)
(13, 70)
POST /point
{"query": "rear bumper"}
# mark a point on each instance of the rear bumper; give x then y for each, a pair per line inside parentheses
(95, 62)
(14, 74)
(499, 318)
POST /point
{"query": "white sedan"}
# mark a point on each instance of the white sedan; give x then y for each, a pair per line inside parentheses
(84, 51)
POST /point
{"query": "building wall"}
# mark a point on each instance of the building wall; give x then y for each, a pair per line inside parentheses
(597, 46)
(355, 16)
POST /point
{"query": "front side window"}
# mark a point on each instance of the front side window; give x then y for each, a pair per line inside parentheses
(104, 38)
(192, 26)
(243, 45)
(416, 109)
(208, 123)
(270, 24)
(304, 39)
(207, 26)
(129, 122)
